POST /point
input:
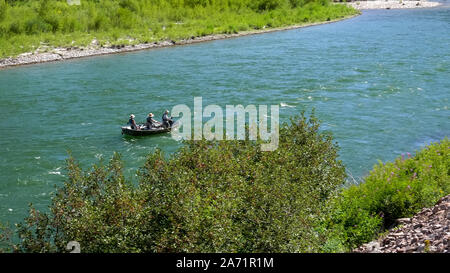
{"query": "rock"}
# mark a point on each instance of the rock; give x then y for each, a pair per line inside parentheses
(436, 209)
(410, 249)
(421, 248)
(425, 231)
(402, 221)
(373, 246)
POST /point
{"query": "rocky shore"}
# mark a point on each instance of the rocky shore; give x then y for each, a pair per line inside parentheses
(427, 231)
(390, 4)
(49, 54)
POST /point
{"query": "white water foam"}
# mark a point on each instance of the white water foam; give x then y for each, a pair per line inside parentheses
(282, 104)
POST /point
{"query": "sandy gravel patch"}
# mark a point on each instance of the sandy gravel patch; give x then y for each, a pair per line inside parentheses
(399, 4)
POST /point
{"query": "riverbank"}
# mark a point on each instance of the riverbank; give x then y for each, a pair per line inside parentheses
(48, 53)
(428, 231)
(391, 194)
(399, 4)
(42, 31)
(94, 49)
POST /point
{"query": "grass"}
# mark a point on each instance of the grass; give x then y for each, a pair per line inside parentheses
(26, 26)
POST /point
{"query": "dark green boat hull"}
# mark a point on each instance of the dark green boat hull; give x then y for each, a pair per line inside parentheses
(126, 130)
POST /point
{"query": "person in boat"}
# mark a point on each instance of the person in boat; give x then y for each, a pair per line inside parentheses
(167, 121)
(132, 123)
(151, 122)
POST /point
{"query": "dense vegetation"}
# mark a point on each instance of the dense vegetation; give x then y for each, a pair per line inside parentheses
(229, 196)
(225, 196)
(26, 25)
(393, 190)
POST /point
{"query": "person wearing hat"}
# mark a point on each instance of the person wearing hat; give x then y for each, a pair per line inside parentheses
(152, 122)
(132, 123)
(167, 121)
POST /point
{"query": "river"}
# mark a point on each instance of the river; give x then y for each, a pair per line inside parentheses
(379, 82)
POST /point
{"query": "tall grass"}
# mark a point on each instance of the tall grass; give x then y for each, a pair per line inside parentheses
(26, 25)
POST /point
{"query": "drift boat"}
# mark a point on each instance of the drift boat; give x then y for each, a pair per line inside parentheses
(143, 131)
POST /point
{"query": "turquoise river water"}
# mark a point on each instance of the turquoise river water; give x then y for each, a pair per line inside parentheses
(379, 82)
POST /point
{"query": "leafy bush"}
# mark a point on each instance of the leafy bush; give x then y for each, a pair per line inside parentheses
(226, 196)
(393, 190)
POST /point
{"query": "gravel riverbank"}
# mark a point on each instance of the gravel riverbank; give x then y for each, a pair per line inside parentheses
(390, 4)
(427, 231)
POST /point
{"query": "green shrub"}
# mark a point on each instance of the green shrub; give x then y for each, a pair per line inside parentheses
(226, 196)
(132, 5)
(3, 9)
(393, 190)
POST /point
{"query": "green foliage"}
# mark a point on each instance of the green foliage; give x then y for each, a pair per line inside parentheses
(229, 196)
(393, 190)
(3, 9)
(111, 22)
(5, 238)
(225, 196)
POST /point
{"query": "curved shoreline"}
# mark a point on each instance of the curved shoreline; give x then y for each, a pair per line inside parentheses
(61, 54)
(67, 53)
